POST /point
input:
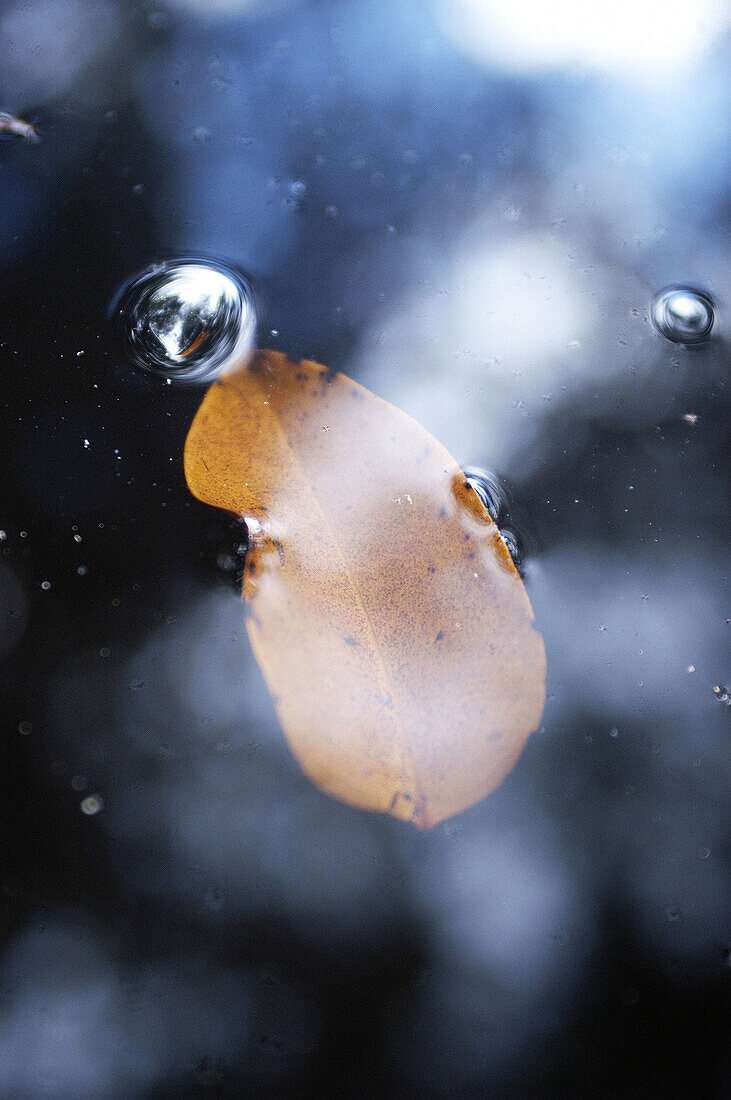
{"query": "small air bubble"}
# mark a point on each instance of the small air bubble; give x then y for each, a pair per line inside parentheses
(722, 694)
(495, 499)
(489, 491)
(510, 539)
(25, 728)
(92, 804)
(45, 585)
(683, 314)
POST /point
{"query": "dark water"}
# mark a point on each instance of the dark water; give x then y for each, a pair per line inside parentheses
(471, 220)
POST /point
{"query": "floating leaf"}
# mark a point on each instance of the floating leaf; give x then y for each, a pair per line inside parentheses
(391, 626)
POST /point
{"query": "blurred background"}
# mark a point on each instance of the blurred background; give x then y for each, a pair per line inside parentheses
(468, 206)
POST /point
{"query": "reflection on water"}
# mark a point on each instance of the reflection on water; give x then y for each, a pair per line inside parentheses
(469, 208)
(647, 39)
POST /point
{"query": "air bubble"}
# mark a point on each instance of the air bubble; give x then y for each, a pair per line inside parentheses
(722, 694)
(489, 490)
(514, 545)
(91, 805)
(497, 502)
(187, 319)
(683, 314)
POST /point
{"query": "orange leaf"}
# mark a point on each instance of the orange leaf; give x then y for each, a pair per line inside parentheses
(388, 619)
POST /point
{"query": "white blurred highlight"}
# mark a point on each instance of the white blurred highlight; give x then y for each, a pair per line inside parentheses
(631, 630)
(514, 328)
(622, 647)
(208, 782)
(74, 1024)
(642, 38)
(47, 44)
(511, 928)
(229, 9)
(527, 298)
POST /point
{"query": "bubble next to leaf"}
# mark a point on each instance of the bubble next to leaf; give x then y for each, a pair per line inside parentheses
(489, 490)
(497, 501)
(187, 319)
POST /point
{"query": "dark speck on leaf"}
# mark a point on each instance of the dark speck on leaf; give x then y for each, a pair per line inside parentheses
(439, 636)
